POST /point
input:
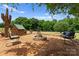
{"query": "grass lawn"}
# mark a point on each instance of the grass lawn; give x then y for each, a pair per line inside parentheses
(77, 36)
(51, 33)
(1, 29)
(58, 33)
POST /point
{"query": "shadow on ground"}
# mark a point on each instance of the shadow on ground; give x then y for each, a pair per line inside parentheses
(52, 47)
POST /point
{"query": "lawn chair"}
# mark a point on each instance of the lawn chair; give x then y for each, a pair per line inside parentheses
(69, 36)
(13, 40)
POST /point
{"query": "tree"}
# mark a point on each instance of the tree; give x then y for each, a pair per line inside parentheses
(65, 8)
(27, 23)
(46, 25)
(35, 24)
(54, 25)
(7, 22)
(53, 8)
(60, 26)
(40, 24)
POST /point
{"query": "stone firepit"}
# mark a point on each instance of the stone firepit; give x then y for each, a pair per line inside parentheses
(39, 36)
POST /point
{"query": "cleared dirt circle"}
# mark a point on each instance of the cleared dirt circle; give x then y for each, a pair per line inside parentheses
(54, 45)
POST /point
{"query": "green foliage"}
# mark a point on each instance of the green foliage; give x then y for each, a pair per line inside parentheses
(23, 21)
(53, 25)
(27, 23)
(66, 8)
(1, 25)
(35, 23)
(61, 26)
(55, 8)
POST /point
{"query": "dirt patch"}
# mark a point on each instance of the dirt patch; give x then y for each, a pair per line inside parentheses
(54, 46)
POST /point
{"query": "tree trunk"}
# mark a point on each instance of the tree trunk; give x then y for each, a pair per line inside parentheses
(7, 20)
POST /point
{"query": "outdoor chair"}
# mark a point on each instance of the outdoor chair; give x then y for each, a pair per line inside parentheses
(69, 34)
(68, 37)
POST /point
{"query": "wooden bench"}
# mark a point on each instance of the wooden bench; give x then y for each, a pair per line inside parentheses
(13, 40)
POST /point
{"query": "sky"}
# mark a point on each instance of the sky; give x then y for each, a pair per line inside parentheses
(26, 10)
